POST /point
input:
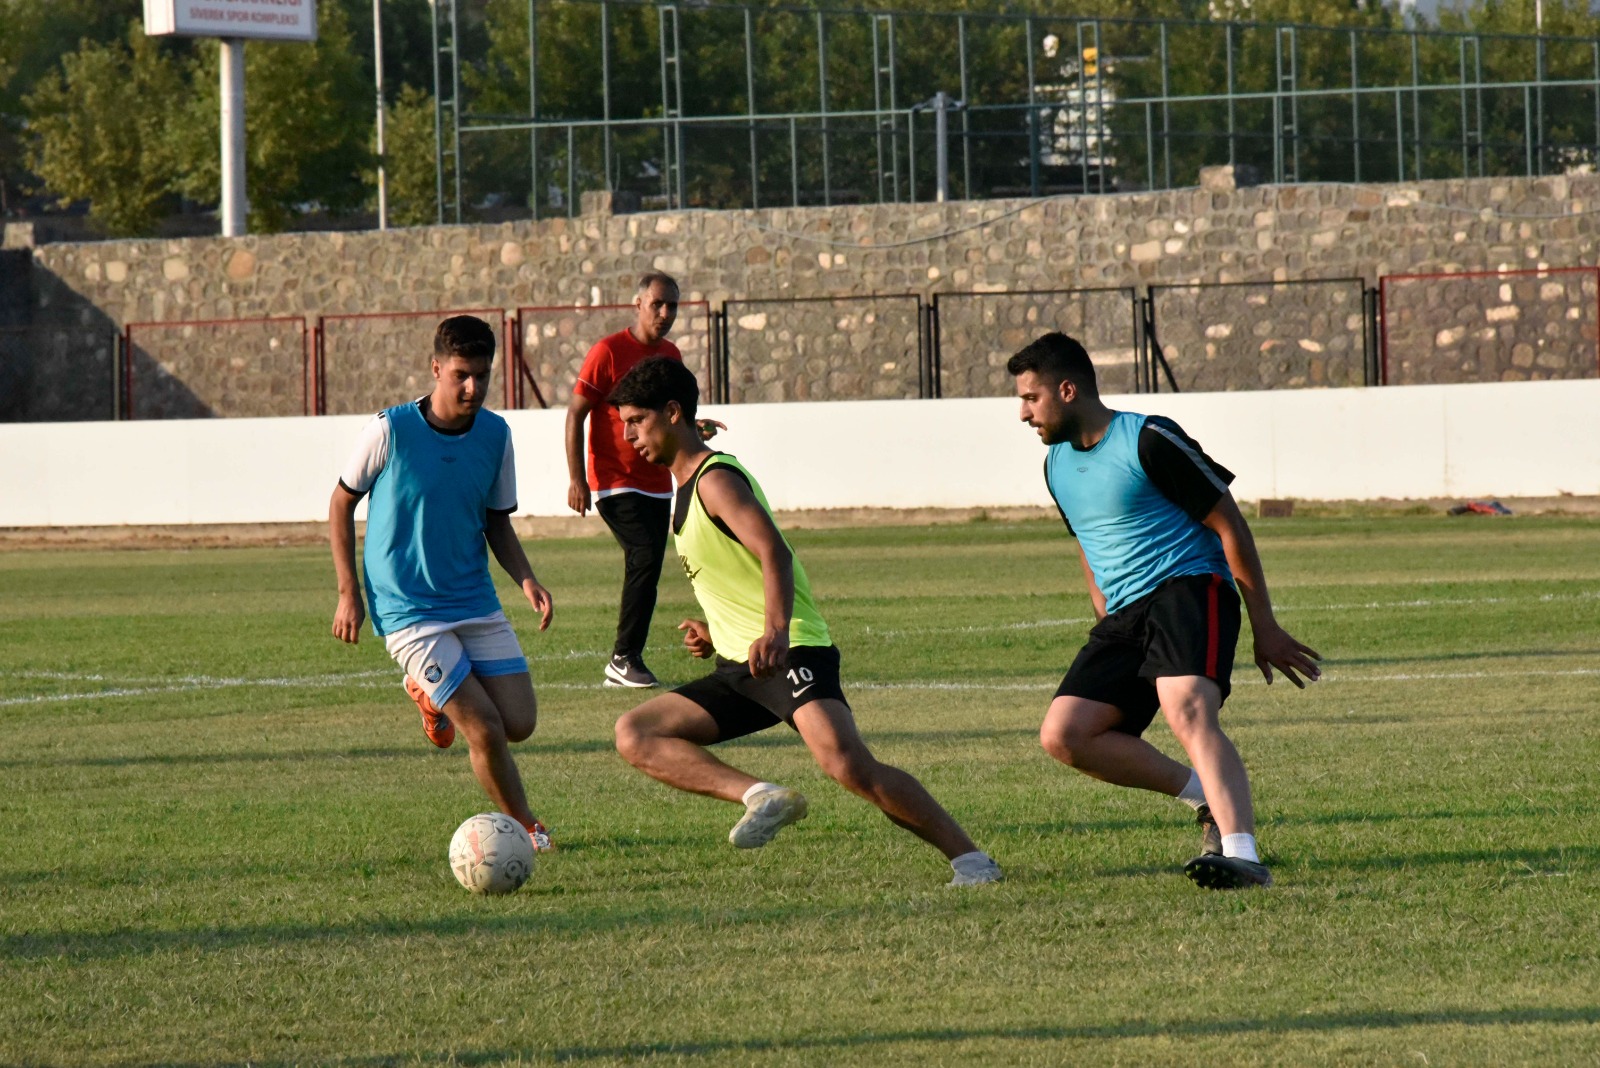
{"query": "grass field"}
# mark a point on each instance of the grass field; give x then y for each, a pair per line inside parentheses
(225, 835)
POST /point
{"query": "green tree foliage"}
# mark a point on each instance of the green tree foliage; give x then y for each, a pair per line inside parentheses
(409, 169)
(90, 144)
(34, 35)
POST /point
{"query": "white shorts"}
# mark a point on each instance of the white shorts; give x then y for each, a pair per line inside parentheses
(439, 656)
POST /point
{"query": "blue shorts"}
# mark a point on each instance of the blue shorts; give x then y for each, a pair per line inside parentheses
(439, 656)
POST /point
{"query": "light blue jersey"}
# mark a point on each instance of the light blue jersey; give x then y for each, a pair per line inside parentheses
(425, 558)
(1134, 535)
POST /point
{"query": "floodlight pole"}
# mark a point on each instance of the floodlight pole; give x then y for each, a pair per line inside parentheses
(233, 191)
(377, 65)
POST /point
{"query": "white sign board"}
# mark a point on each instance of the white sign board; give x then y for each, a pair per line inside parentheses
(274, 20)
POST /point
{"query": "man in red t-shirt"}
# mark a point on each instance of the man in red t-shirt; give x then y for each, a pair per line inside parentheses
(633, 496)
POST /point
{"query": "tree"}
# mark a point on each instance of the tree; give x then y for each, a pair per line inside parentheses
(308, 126)
(88, 144)
(409, 160)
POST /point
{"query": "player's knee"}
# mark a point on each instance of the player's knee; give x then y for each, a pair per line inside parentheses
(630, 735)
(1063, 743)
(1190, 718)
(482, 731)
(522, 728)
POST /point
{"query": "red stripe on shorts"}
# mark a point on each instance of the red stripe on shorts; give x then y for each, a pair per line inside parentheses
(1213, 627)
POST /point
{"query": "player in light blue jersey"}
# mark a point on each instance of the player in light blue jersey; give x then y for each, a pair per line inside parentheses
(1167, 555)
(442, 485)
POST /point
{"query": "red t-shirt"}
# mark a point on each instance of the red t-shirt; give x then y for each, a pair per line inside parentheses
(613, 464)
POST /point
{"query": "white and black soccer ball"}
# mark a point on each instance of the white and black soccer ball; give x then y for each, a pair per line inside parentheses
(491, 853)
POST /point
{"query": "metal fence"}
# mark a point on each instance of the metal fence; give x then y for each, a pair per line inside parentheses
(366, 362)
(550, 342)
(713, 105)
(216, 367)
(1483, 326)
(1259, 335)
(974, 334)
(824, 348)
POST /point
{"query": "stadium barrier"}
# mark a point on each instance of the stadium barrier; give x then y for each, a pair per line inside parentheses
(216, 367)
(549, 342)
(1307, 444)
(1490, 326)
(367, 361)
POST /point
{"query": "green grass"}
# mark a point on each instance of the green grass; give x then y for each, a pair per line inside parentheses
(225, 836)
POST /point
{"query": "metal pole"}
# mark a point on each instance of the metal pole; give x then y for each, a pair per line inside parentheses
(1166, 117)
(533, 110)
(234, 201)
(822, 94)
(1355, 101)
(605, 85)
(1400, 134)
(1416, 103)
(455, 101)
(941, 146)
(750, 105)
(1232, 138)
(966, 128)
(438, 116)
(377, 69)
(1538, 127)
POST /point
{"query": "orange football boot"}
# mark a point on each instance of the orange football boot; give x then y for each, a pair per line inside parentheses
(435, 724)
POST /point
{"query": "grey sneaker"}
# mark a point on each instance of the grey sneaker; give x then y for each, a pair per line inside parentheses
(1210, 833)
(765, 814)
(629, 671)
(1216, 872)
(989, 873)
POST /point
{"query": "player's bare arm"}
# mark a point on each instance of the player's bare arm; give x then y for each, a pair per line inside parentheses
(350, 613)
(1096, 598)
(727, 497)
(1274, 646)
(697, 638)
(507, 549)
(578, 410)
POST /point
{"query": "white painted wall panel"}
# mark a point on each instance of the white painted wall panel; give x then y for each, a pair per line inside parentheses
(1513, 439)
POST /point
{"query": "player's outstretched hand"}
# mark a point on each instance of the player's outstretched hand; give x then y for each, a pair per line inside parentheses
(708, 428)
(769, 654)
(347, 620)
(541, 600)
(697, 638)
(1277, 648)
(578, 496)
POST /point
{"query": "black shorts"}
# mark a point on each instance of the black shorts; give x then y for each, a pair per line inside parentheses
(742, 704)
(1185, 626)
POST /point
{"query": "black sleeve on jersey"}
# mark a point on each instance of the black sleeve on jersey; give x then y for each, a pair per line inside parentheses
(1180, 469)
(357, 494)
(1053, 500)
(502, 511)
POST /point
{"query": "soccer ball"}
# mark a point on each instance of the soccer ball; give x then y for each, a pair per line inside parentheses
(491, 853)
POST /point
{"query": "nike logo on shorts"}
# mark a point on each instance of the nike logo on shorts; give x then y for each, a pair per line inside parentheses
(802, 690)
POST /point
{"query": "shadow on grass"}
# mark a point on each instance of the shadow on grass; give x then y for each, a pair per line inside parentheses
(104, 945)
(1299, 1023)
(530, 749)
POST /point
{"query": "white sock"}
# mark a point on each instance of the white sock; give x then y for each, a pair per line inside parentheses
(971, 863)
(1242, 846)
(757, 788)
(1192, 794)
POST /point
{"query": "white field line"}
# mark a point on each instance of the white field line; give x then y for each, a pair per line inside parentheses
(370, 680)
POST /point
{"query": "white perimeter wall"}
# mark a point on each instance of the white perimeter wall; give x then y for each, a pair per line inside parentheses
(1516, 439)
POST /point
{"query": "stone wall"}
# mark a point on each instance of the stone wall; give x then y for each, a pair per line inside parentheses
(859, 348)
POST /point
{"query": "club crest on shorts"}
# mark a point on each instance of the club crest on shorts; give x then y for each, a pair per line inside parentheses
(432, 673)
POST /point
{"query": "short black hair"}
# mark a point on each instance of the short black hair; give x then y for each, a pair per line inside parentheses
(652, 278)
(1058, 355)
(464, 335)
(654, 382)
